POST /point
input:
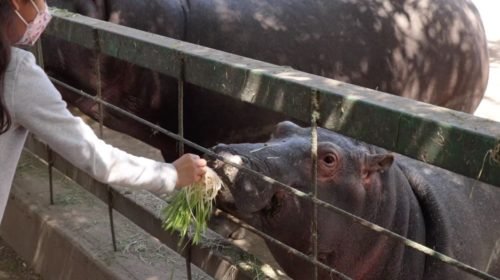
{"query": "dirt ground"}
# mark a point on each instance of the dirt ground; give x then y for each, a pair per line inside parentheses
(12, 267)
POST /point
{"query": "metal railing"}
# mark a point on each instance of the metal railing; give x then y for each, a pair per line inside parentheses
(449, 139)
(334, 105)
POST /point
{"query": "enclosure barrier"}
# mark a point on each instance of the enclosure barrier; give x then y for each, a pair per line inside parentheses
(374, 227)
(455, 141)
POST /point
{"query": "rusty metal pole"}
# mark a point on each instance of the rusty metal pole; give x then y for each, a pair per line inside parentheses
(51, 180)
(180, 106)
(180, 110)
(111, 220)
(50, 161)
(101, 130)
(99, 94)
(39, 54)
(314, 172)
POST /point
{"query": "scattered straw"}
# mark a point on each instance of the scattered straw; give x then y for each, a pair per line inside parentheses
(494, 157)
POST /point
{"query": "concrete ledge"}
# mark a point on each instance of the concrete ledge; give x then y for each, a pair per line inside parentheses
(42, 242)
(72, 240)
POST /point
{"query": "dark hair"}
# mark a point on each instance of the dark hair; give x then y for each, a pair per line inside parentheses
(6, 13)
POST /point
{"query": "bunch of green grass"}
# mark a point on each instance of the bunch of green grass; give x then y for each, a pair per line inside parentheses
(191, 207)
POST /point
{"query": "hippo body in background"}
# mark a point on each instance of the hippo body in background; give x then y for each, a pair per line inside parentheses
(432, 51)
(449, 213)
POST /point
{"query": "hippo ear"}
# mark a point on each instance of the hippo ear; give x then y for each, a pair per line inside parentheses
(286, 128)
(377, 163)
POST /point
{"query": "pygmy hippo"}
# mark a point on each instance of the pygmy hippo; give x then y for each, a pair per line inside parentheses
(449, 213)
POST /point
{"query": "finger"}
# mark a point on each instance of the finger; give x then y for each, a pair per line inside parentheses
(199, 173)
(194, 157)
(201, 163)
(202, 171)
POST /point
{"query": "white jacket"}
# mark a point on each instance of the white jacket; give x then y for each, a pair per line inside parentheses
(36, 106)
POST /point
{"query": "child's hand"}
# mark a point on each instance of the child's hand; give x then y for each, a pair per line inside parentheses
(190, 168)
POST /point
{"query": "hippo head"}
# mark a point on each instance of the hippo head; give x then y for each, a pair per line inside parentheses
(351, 175)
(347, 172)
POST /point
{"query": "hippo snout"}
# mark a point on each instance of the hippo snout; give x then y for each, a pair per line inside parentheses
(225, 171)
(243, 191)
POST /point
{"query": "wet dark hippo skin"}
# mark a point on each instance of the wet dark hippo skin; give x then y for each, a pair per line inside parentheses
(433, 51)
(447, 212)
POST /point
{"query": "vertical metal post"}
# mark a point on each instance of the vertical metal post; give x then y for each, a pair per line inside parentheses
(39, 53)
(51, 165)
(101, 132)
(111, 220)
(180, 105)
(180, 109)
(99, 93)
(41, 63)
(314, 172)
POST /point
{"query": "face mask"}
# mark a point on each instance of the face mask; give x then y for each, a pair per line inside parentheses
(35, 28)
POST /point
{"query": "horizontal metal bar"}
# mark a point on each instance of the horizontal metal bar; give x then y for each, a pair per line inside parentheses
(453, 140)
(212, 261)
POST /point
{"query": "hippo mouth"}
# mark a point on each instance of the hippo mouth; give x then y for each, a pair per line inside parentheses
(274, 205)
(242, 197)
(244, 194)
(268, 210)
(247, 195)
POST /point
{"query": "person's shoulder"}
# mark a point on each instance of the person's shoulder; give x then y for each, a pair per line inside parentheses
(21, 53)
(20, 58)
(27, 80)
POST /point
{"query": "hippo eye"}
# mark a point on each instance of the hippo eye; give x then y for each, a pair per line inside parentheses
(330, 160)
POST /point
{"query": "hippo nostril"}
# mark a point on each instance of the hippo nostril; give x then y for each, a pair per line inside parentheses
(245, 160)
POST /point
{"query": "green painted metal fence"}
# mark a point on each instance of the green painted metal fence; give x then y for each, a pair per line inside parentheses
(453, 140)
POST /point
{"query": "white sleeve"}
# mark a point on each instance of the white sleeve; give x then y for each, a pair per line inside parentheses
(38, 106)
